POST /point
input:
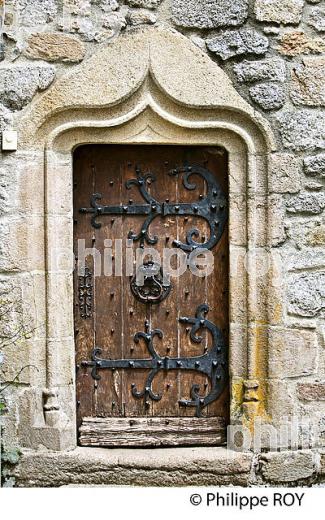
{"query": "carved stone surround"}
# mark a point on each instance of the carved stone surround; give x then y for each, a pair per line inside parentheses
(151, 87)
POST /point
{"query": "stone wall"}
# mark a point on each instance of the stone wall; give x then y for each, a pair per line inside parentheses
(274, 53)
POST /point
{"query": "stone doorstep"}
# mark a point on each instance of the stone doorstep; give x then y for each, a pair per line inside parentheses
(142, 467)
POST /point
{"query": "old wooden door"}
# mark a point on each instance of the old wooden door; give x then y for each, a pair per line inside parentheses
(151, 355)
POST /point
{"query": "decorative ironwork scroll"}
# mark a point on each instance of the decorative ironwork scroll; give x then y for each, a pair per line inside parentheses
(85, 294)
(212, 207)
(148, 285)
(213, 363)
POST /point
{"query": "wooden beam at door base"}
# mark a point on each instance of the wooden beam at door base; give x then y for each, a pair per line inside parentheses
(153, 431)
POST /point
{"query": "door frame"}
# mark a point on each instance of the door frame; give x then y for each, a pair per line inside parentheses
(245, 240)
(149, 115)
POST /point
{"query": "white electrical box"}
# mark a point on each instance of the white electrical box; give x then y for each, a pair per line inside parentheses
(9, 140)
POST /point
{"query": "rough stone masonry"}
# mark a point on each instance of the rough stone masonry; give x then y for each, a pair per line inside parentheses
(273, 51)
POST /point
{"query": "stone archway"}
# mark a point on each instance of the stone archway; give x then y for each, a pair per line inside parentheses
(153, 87)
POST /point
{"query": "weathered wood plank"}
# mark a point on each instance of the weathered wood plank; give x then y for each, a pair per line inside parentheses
(152, 431)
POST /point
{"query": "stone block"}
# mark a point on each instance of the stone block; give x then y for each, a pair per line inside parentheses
(55, 47)
(22, 244)
(140, 17)
(288, 466)
(148, 4)
(315, 165)
(282, 402)
(269, 96)
(305, 259)
(279, 11)
(209, 14)
(317, 19)
(297, 42)
(276, 230)
(302, 130)
(306, 203)
(284, 173)
(166, 467)
(236, 43)
(37, 12)
(306, 294)
(273, 69)
(20, 83)
(311, 391)
(293, 352)
(308, 82)
(316, 237)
